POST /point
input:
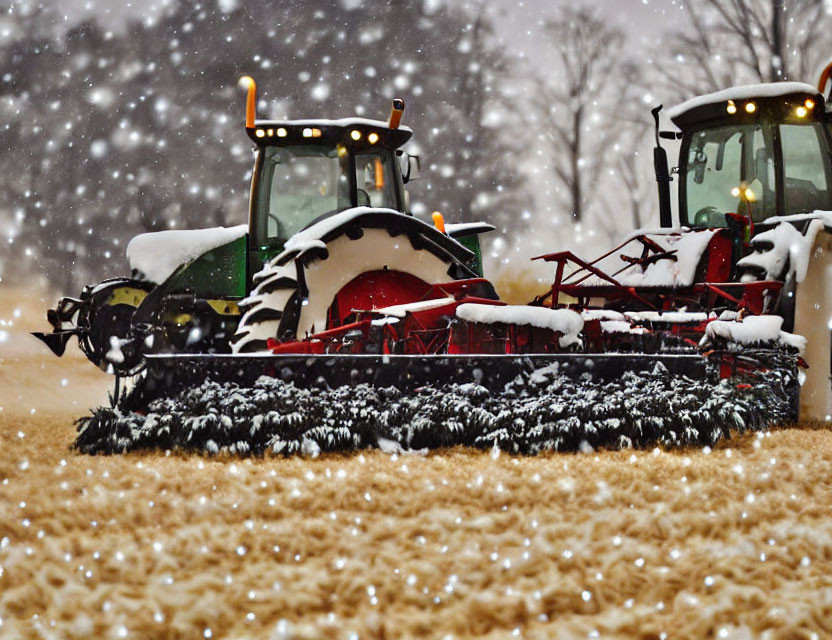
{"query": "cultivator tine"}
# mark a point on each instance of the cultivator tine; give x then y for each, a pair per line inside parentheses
(406, 371)
(56, 340)
(114, 399)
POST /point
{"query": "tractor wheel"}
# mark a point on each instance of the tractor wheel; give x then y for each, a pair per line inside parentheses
(295, 291)
(106, 316)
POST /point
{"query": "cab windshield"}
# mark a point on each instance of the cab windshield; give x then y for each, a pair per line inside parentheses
(299, 185)
(732, 169)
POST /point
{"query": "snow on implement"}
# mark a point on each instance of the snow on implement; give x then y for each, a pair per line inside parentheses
(335, 319)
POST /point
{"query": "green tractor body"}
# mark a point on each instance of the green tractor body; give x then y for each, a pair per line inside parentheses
(185, 286)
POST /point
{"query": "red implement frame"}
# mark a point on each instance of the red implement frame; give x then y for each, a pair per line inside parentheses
(705, 295)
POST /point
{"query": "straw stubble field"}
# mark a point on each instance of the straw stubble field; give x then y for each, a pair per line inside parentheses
(733, 542)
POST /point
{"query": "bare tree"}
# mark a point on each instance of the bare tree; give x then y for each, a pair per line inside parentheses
(571, 102)
(485, 154)
(633, 196)
(728, 42)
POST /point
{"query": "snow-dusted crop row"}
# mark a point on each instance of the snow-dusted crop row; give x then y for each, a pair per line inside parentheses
(541, 411)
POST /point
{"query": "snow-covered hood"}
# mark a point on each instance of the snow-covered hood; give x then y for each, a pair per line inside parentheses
(753, 330)
(565, 321)
(158, 254)
(785, 246)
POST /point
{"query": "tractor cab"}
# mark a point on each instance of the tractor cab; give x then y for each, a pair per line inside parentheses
(755, 151)
(308, 170)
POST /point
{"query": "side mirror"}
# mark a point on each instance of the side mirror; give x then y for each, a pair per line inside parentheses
(406, 164)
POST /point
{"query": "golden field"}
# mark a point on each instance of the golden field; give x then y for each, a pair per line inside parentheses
(734, 542)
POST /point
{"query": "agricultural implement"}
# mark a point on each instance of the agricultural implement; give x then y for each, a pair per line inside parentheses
(333, 282)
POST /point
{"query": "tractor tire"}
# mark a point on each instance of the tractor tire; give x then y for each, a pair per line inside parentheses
(106, 319)
(295, 290)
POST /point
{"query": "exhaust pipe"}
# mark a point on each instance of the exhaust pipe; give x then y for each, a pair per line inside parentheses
(396, 113)
(247, 82)
(663, 178)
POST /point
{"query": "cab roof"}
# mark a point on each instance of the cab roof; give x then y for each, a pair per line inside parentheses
(352, 132)
(713, 106)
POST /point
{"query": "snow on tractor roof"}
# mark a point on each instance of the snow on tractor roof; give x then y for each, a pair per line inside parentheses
(742, 92)
(158, 254)
(344, 123)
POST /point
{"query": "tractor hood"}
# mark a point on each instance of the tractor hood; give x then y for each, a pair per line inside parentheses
(155, 256)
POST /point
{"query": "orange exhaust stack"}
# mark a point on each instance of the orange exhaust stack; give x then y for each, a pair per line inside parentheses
(439, 221)
(396, 113)
(248, 83)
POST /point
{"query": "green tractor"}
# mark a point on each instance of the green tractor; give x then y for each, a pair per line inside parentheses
(343, 177)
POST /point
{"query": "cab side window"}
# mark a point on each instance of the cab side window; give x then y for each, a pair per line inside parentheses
(374, 180)
(804, 168)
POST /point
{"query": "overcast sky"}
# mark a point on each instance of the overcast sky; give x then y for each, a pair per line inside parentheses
(639, 19)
